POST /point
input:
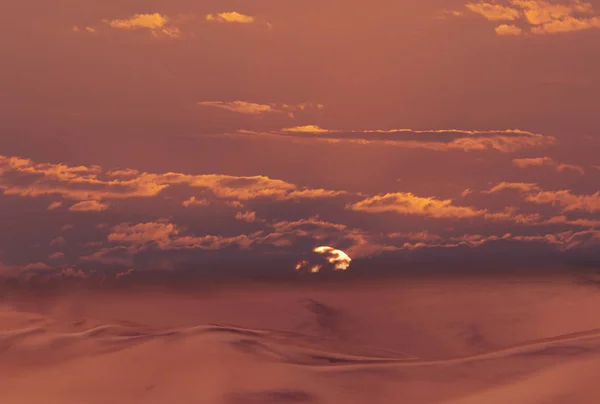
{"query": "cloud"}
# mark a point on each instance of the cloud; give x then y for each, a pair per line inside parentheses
(494, 12)
(87, 29)
(195, 202)
(56, 256)
(160, 233)
(566, 199)
(156, 23)
(124, 273)
(149, 21)
(231, 17)
(246, 216)
(16, 271)
(562, 167)
(533, 162)
(408, 204)
(563, 241)
(88, 206)
(539, 16)
(438, 140)
(54, 205)
(251, 108)
(23, 177)
(508, 30)
(443, 14)
(127, 241)
(306, 129)
(547, 161)
(241, 107)
(520, 186)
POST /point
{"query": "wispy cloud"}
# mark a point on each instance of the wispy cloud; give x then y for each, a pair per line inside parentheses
(547, 161)
(251, 108)
(54, 205)
(87, 29)
(88, 206)
(567, 199)
(438, 140)
(307, 129)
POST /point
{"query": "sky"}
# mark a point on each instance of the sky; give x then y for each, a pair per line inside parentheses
(236, 137)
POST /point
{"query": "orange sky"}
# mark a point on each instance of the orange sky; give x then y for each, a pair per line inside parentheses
(235, 135)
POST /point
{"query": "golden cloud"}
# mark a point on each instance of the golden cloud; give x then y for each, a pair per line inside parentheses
(408, 204)
(149, 21)
(232, 17)
(508, 30)
(307, 129)
(541, 16)
(23, 177)
(88, 206)
(195, 202)
(156, 23)
(494, 12)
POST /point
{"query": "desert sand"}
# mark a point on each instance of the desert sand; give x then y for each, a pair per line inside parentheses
(463, 341)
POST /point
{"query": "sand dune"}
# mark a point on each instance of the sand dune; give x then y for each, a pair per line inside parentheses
(53, 356)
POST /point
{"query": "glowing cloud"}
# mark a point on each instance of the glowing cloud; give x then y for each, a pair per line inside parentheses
(508, 30)
(156, 23)
(23, 177)
(89, 206)
(195, 202)
(232, 16)
(307, 129)
(409, 204)
(540, 16)
(494, 12)
(149, 21)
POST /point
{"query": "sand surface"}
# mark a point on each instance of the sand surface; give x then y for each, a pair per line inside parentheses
(461, 342)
